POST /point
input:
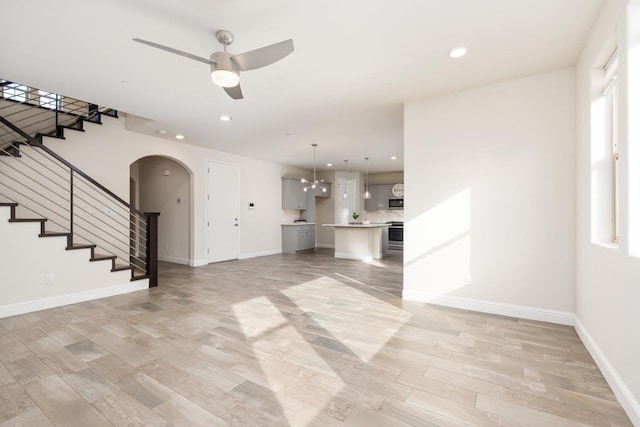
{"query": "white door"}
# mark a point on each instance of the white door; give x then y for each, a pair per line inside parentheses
(223, 207)
(349, 205)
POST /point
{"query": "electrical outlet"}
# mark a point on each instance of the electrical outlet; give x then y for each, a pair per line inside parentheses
(166, 247)
(49, 279)
(467, 280)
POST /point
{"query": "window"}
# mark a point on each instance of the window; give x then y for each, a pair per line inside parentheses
(610, 94)
(48, 100)
(21, 93)
(15, 92)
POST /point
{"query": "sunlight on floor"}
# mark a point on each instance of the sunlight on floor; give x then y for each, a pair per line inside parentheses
(265, 325)
(262, 321)
(318, 297)
(257, 316)
(375, 262)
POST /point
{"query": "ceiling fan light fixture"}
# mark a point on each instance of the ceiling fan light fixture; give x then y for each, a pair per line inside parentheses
(225, 66)
(224, 71)
(225, 78)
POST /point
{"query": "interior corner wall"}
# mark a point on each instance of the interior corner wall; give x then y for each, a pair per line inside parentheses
(490, 198)
(607, 276)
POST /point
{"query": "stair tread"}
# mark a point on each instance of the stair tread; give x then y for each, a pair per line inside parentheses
(71, 127)
(81, 246)
(101, 257)
(54, 234)
(40, 135)
(121, 267)
(27, 220)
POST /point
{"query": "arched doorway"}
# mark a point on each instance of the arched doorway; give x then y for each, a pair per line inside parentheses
(161, 184)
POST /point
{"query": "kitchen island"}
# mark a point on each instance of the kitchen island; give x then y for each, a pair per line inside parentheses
(360, 241)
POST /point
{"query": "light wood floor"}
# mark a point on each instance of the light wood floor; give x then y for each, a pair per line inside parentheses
(292, 340)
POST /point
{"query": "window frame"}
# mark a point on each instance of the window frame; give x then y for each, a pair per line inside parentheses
(611, 93)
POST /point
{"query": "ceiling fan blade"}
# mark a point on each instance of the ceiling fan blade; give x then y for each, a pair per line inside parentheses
(172, 50)
(234, 92)
(263, 56)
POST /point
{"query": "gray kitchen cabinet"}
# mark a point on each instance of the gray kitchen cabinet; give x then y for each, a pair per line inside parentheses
(380, 195)
(293, 195)
(297, 238)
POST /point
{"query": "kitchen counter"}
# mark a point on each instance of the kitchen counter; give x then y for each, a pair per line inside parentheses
(360, 241)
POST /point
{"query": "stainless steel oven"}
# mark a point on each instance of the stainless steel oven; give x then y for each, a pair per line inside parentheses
(396, 234)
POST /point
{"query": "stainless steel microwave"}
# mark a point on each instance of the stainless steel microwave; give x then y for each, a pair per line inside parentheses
(396, 204)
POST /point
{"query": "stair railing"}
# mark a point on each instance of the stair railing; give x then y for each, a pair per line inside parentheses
(47, 185)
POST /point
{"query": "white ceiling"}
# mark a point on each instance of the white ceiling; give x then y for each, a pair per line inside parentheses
(355, 63)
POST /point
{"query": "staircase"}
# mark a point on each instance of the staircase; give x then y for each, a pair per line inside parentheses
(38, 186)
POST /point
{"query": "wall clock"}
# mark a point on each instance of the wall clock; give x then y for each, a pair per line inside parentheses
(398, 190)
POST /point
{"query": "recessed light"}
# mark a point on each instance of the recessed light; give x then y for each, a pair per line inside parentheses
(458, 52)
(393, 157)
(224, 117)
(162, 132)
(179, 136)
(329, 164)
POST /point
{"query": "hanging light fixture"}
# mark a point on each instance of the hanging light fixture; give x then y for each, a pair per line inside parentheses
(315, 183)
(366, 194)
(345, 195)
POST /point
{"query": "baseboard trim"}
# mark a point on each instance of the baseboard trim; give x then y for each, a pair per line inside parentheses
(618, 386)
(173, 259)
(326, 245)
(197, 262)
(58, 301)
(345, 255)
(510, 310)
(259, 253)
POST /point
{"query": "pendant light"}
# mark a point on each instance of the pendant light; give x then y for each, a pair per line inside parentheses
(315, 183)
(366, 194)
(345, 195)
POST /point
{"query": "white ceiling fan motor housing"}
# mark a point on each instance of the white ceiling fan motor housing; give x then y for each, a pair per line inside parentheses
(224, 71)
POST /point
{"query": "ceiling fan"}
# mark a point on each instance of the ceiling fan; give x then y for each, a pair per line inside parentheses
(226, 67)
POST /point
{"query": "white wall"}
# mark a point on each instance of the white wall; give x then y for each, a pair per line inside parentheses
(608, 276)
(26, 260)
(489, 175)
(106, 152)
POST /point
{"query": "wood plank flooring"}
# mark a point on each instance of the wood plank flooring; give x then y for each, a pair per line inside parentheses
(292, 340)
